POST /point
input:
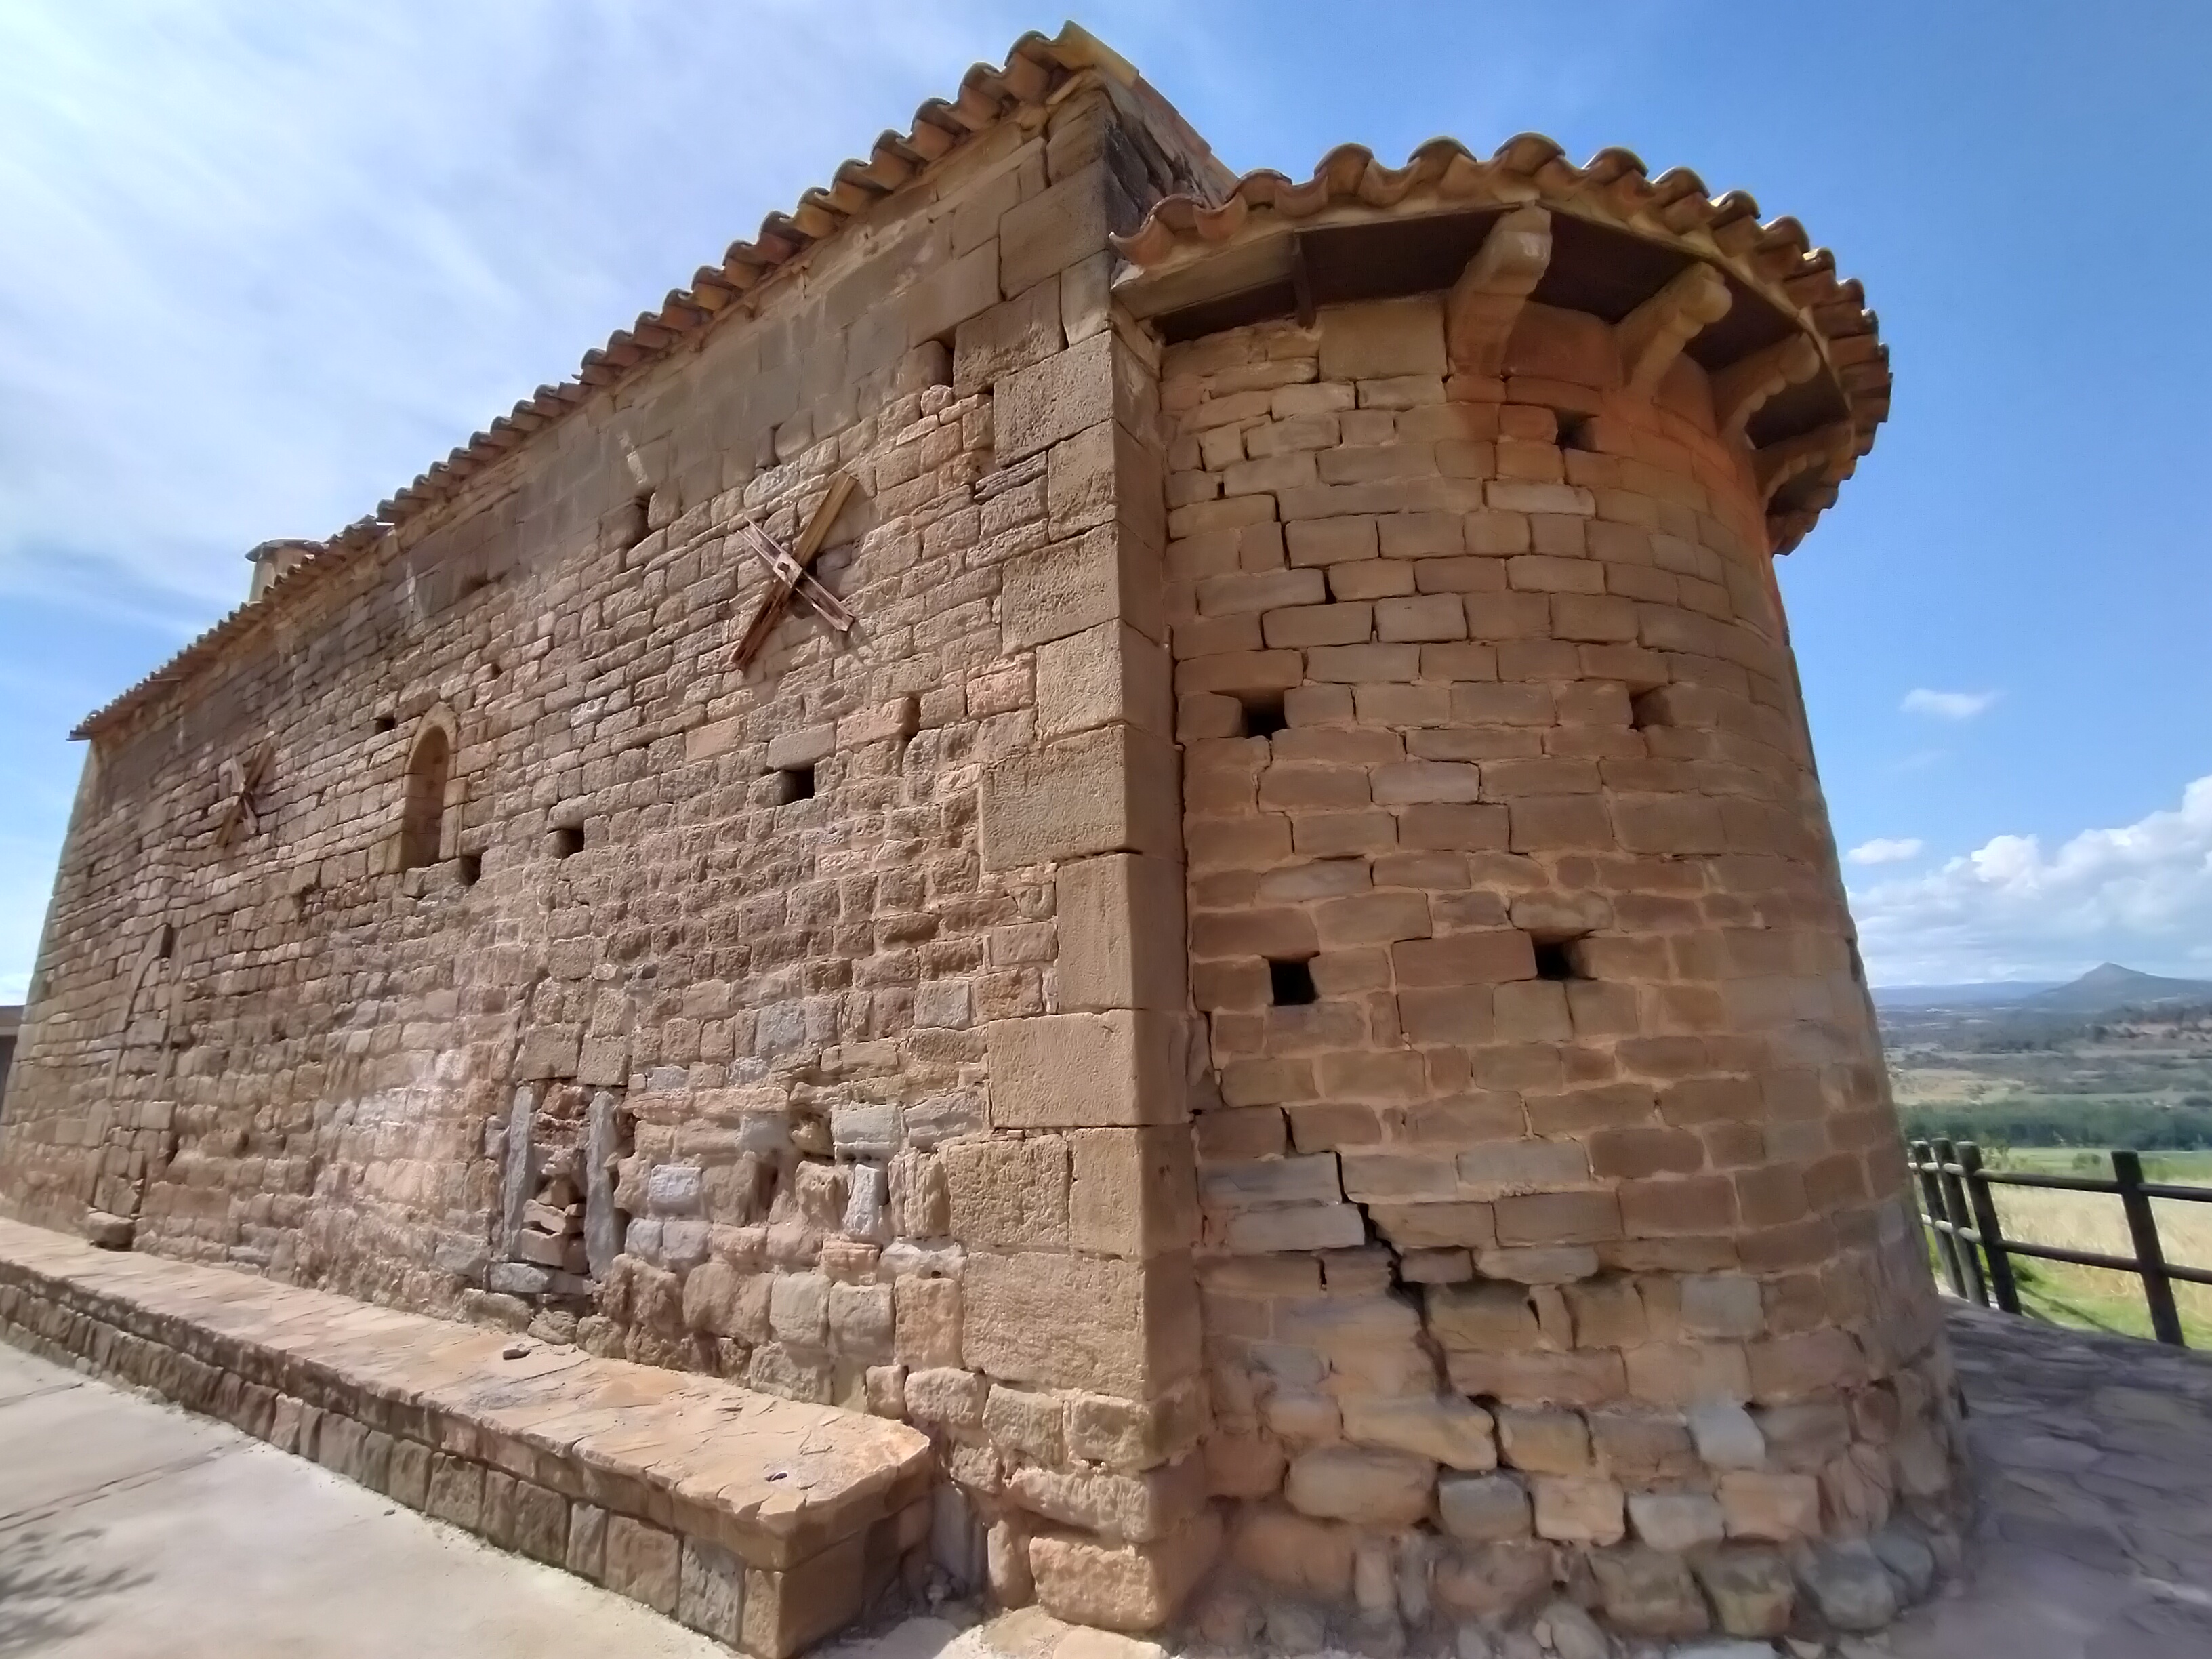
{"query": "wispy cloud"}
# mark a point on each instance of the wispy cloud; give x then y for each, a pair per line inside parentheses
(286, 259)
(1886, 849)
(1948, 705)
(2139, 894)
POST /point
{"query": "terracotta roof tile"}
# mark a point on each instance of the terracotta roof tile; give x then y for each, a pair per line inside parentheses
(1776, 260)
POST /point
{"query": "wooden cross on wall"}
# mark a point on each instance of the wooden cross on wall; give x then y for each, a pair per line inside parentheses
(787, 572)
(240, 781)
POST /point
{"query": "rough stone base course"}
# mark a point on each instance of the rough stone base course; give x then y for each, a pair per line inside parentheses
(765, 1523)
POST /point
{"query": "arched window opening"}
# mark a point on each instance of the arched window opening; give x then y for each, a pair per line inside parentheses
(422, 818)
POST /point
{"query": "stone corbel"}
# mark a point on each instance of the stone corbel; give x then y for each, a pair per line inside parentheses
(1485, 302)
(1826, 449)
(1653, 335)
(1745, 387)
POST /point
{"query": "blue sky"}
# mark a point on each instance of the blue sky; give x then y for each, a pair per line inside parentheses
(263, 262)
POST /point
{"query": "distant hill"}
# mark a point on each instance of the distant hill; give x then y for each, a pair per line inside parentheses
(2101, 990)
(2109, 986)
(1994, 993)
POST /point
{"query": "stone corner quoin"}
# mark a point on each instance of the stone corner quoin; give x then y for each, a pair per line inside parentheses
(1279, 988)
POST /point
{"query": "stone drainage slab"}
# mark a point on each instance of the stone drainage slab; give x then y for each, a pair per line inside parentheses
(766, 1523)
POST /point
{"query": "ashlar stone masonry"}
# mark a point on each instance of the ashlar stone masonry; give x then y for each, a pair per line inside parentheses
(1281, 991)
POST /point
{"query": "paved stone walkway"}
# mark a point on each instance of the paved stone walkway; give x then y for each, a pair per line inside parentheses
(2094, 1465)
(129, 1530)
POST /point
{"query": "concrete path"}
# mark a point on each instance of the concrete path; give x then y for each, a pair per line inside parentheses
(129, 1530)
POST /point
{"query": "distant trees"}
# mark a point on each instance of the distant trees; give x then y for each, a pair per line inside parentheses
(2091, 1123)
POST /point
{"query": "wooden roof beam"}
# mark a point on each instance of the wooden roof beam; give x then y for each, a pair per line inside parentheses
(1653, 335)
(1747, 386)
(1485, 302)
(1826, 449)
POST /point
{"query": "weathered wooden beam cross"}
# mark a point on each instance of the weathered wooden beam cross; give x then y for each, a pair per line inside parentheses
(787, 572)
(239, 780)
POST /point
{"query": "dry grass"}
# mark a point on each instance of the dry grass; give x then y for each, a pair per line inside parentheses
(2093, 1221)
(1942, 1085)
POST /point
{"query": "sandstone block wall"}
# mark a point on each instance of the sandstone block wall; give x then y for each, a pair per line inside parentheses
(1283, 993)
(821, 1025)
(1554, 1220)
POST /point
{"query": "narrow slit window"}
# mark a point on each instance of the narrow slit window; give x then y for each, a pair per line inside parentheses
(794, 783)
(1290, 983)
(1263, 713)
(423, 813)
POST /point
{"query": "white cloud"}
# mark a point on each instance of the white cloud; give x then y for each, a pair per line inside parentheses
(1886, 849)
(1948, 705)
(27, 872)
(2140, 895)
(272, 264)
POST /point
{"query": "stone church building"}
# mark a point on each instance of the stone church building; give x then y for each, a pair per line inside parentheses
(1158, 822)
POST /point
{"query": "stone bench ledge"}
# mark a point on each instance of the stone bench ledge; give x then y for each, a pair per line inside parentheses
(816, 1503)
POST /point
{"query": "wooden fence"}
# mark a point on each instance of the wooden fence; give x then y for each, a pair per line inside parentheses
(1959, 1209)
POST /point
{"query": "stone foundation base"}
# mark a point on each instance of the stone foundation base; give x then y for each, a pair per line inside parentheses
(1537, 1600)
(766, 1523)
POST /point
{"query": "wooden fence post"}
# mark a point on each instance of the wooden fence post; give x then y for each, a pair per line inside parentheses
(1986, 1224)
(1931, 1198)
(2150, 1259)
(1954, 1207)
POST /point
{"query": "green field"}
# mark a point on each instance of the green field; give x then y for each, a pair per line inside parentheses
(2094, 1298)
(2024, 1122)
(2189, 1169)
(2045, 1084)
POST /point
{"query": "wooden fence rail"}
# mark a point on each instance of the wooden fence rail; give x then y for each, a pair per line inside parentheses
(1959, 1209)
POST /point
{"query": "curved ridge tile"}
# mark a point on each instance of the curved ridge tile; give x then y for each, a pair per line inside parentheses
(1777, 257)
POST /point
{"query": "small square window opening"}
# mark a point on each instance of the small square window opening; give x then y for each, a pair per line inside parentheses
(1558, 958)
(567, 840)
(1290, 984)
(1263, 713)
(794, 783)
